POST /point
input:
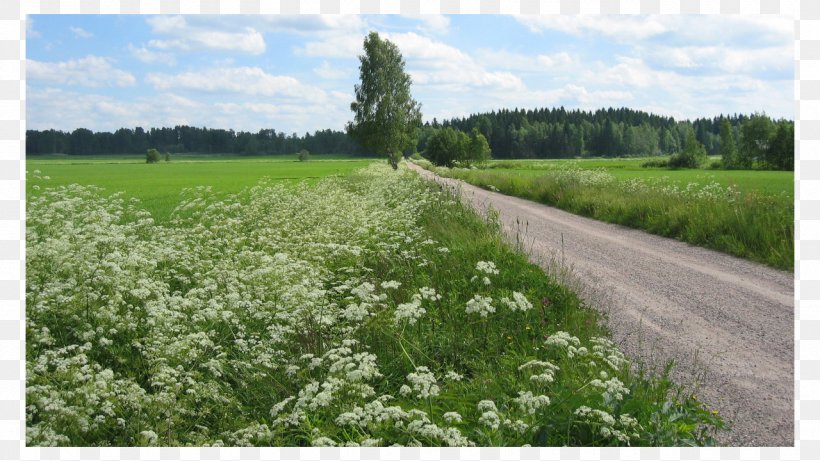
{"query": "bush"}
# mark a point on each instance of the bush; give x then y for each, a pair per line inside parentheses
(152, 156)
(448, 146)
(304, 155)
(693, 154)
(167, 156)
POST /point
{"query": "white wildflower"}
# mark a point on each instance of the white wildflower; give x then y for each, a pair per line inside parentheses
(480, 305)
(487, 267)
(423, 382)
(452, 417)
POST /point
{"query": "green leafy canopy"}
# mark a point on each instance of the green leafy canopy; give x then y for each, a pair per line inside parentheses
(386, 117)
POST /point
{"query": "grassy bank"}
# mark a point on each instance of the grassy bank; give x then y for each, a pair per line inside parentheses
(750, 219)
(369, 309)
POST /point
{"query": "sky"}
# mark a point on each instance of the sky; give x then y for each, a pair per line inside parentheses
(296, 74)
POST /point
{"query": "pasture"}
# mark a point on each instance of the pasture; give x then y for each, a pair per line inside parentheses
(363, 308)
(749, 214)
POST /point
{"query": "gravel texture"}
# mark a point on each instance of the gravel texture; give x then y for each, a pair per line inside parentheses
(726, 322)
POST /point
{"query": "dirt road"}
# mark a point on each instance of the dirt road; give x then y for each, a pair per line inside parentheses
(728, 323)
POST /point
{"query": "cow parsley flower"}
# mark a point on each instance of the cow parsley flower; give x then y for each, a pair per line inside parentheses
(480, 305)
(423, 382)
(518, 303)
(487, 267)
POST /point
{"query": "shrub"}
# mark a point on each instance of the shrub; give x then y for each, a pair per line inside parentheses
(167, 156)
(304, 155)
(152, 156)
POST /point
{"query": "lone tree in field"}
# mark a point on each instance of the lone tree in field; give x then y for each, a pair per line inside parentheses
(386, 118)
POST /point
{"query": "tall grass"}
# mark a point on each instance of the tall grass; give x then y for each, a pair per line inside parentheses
(372, 309)
(749, 224)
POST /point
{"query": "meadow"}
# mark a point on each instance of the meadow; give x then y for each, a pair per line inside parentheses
(749, 214)
(364, 308)
(158, 186)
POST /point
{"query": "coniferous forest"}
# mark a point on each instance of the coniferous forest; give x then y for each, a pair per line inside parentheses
(758, 140)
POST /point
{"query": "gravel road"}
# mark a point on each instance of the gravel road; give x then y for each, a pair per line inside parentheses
(728, 323)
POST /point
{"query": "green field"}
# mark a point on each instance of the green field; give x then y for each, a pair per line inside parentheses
(765, 182)
(749, 214)
(158, 186)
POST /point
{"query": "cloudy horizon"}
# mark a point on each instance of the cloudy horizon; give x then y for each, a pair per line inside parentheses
(296, 73)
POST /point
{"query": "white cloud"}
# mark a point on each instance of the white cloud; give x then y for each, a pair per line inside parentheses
(346, 46)
(68, 110)
(433, 23)
(188, 37)
(79, 32)
(90, 71)
(310, 25)
(626, 28)
(431, 62)
(251, 81)
(555, 63)
(719, 59)
(329, 72)
(147, 56)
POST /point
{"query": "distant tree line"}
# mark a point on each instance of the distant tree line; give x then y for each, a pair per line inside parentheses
(760, 142)
(187, 139)
(744, 141)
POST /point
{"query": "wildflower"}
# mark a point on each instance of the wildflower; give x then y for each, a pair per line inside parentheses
(487, 405)
(392, 284)
(452, 417)
(530, 403)
(487, 267)
(423, 382)
(480, 305)
(452, 376)
(410, 312)
(429, 294)
(518, 303)
(490, 419)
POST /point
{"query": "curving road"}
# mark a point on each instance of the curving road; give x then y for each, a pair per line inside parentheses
(728, 323)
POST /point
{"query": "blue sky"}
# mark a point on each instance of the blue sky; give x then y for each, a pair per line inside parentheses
(296, 73)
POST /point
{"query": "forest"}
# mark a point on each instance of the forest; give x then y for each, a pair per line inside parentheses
(540, 133)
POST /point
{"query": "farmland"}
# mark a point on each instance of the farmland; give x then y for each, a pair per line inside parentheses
(318, 312)
(743, 213)
(158, 186)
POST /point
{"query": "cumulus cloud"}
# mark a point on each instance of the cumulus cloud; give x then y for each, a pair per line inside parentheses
(553, 63)
(147, 56)
(90, 71)
(619, 27)
(433, 23)
(242, 80)
(329, 72)
(181, 35)
(670, 29)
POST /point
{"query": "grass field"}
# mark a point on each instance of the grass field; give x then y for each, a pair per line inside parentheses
(368, 308)
(745, 213)
(158, 186)
(765, 182)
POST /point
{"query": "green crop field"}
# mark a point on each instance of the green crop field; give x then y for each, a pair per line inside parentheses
(158, 186)
(745, 213)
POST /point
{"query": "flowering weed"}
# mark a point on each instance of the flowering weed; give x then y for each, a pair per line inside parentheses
(340, 314)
